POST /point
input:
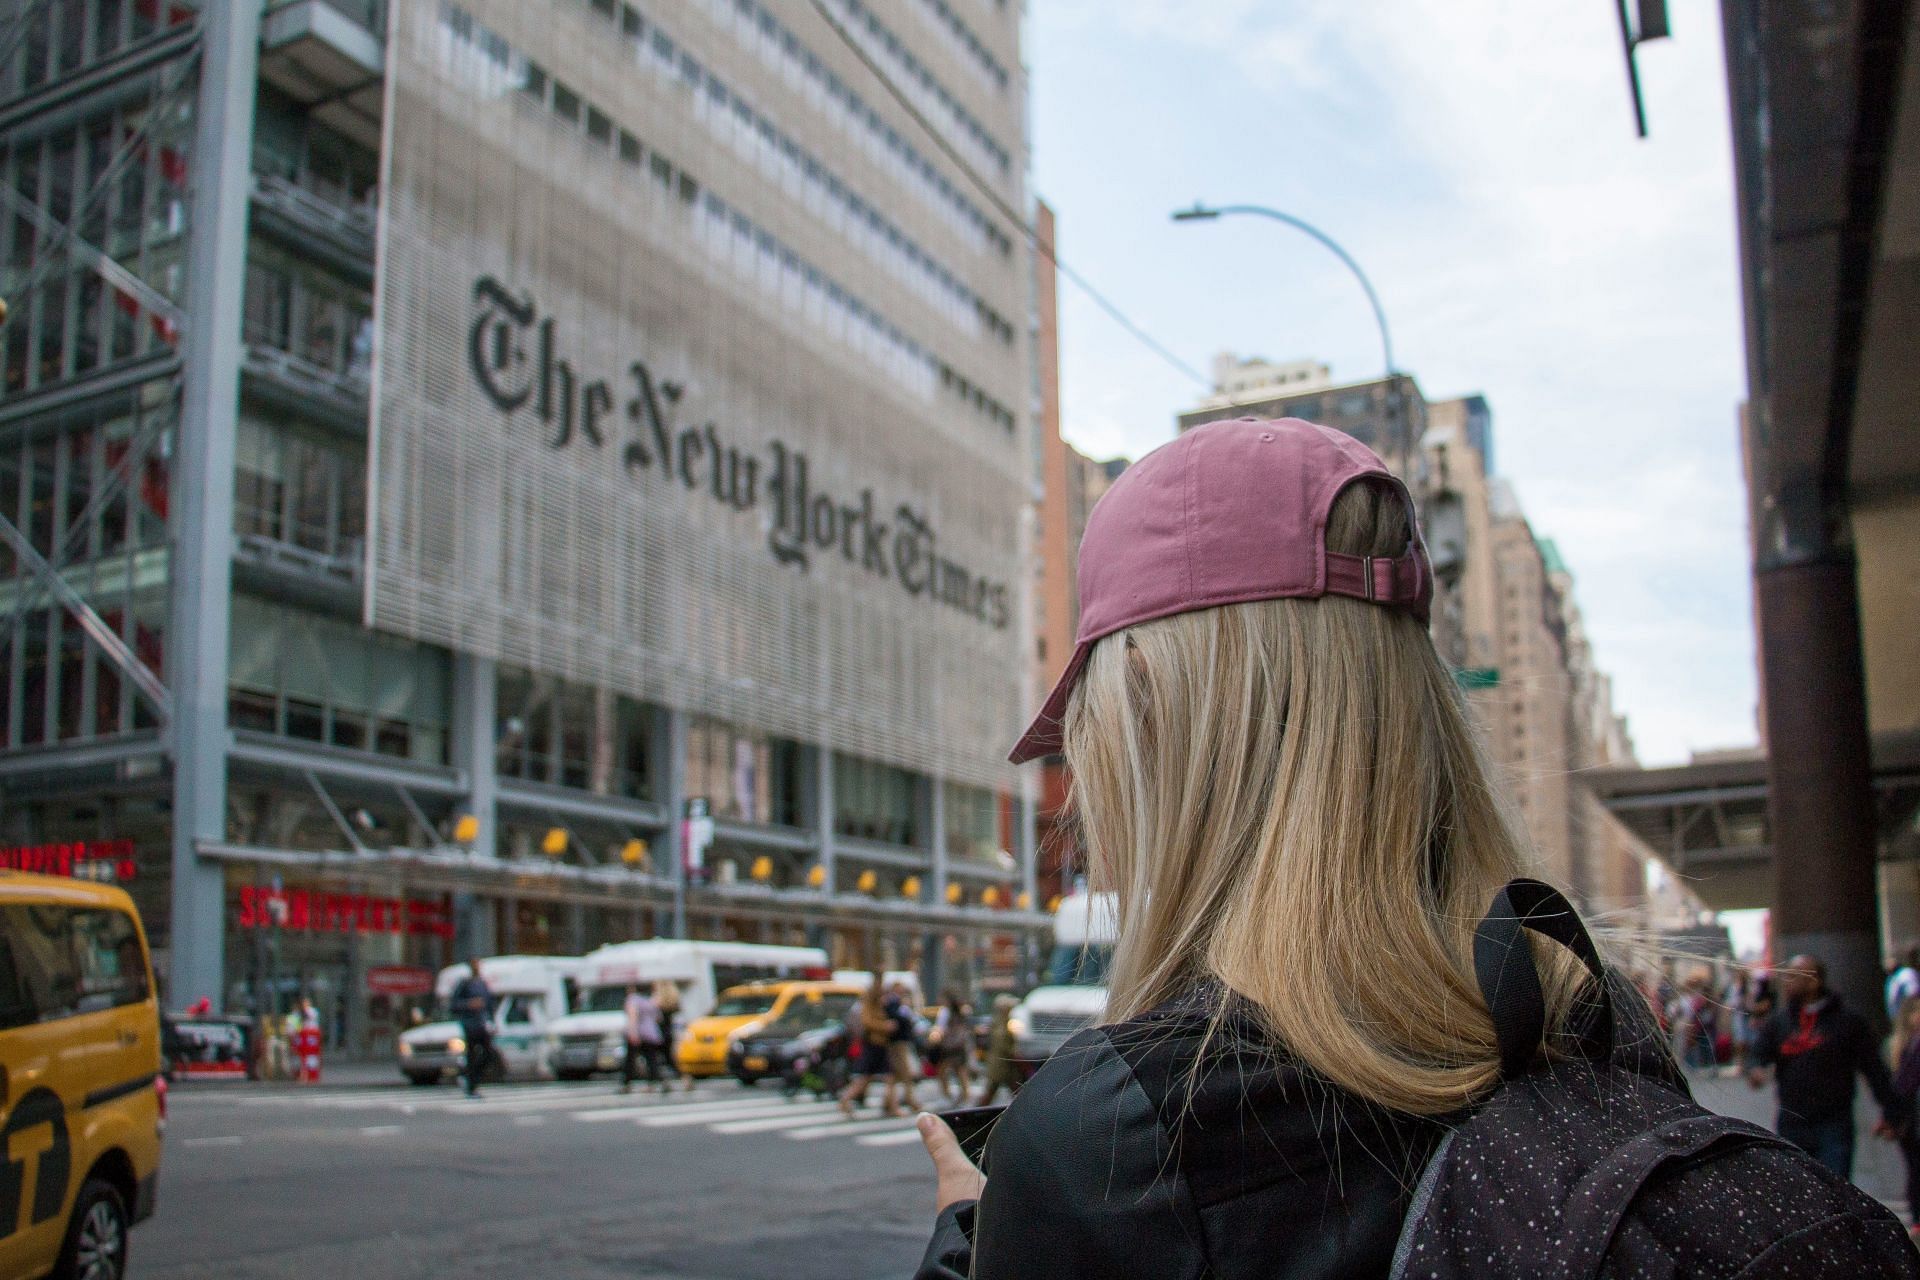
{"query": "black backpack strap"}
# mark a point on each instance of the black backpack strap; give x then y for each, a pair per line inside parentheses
(1604, 1195)
(1510, 983)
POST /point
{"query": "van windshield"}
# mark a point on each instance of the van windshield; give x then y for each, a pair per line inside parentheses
(1079, 966)
(605, 1000)
(745, 1006)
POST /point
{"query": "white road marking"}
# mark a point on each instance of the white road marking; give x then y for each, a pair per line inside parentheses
(674, 1119)
(900, 1139)
(841, 1127)
(767, 1124)
(525, 1121)
(646, 1106)
(378, 1130)
(229, 1141)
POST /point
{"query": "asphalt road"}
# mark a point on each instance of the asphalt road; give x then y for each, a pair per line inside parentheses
(723, 1183)
(384, 1181)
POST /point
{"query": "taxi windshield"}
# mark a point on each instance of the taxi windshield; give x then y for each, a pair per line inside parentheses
(745, 1004)
(807, 1015)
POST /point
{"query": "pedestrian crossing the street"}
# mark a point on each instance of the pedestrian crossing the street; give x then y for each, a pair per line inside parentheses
(721, 1108)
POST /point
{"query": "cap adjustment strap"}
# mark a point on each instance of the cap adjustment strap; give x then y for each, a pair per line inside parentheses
(1377, 579)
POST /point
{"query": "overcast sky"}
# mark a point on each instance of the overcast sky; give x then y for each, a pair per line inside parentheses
(1478, 158)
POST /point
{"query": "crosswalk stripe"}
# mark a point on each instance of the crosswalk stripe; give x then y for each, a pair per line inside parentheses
(675, 1119)
(410, 1102)
(899, 1139)
(724, 1112)
(841, 1127)
(767, 1124)
(485, 1105)
(646, 1106)
(631, 1111)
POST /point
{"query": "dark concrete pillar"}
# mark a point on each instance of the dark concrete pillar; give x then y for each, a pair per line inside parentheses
(1819, 774)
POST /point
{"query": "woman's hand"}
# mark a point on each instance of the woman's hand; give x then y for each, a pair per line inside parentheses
(958, 1178)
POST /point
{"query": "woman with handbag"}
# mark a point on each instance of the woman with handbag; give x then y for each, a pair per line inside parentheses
(871, 1057)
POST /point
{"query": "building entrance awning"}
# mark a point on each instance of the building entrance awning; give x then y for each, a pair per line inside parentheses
(452, 869)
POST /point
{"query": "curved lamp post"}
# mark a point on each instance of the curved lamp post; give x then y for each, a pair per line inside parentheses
(1202, 213)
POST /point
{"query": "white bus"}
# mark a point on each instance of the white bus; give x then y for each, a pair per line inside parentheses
(530, 993)
(592, 1038)
(1075, 992)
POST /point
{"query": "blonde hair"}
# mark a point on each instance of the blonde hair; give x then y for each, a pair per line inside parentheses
(1286, 799)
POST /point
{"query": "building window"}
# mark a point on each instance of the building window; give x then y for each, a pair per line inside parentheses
(741, 774)
(874, 801)
(305, 675)
(129, 197)
(303, 488)
(295, 308)
(62, 38)
(93, 506)
(978, 823)
(572, 735)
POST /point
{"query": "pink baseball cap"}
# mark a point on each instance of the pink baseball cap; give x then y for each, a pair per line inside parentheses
(1229, 512)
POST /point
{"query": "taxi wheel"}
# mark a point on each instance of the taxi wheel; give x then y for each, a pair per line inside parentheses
(96, 1247)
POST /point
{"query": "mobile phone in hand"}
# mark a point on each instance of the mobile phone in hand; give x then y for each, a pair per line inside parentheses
(971, 1127)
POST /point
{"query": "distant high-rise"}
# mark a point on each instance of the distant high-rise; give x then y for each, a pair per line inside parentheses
(1388, 415)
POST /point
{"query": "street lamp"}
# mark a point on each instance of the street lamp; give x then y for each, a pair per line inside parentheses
(1201, 213)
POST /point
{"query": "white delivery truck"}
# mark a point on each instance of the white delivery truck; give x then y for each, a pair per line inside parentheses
(593, 1038)
(530, 993)
(1075, 994)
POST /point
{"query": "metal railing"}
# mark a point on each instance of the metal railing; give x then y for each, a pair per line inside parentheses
(304, 375)
(273, 553)
(351, 222)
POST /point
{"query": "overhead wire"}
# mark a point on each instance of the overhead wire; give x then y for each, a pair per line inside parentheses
(1000, 205)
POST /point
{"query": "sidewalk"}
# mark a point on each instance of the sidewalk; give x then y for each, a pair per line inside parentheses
(1877, 1167)
(342, 1075)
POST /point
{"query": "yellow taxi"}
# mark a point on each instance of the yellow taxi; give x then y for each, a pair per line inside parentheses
(702, 1051)
(80, 1113)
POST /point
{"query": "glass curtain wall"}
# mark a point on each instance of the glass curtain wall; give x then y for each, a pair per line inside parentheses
(305, 675)
(88, 489)
(874, 801)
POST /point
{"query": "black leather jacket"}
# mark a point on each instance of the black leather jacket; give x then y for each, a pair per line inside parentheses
(1144, 1149)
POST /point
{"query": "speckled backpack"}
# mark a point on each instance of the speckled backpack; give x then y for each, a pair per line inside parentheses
(1597, 1162)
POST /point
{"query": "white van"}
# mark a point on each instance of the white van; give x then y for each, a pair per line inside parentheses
(1075, 994)
(530, 994)
(593, 1037)
(863, 978)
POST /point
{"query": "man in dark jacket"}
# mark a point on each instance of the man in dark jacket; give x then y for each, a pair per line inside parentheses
(1815, 1047)
(472, 1004)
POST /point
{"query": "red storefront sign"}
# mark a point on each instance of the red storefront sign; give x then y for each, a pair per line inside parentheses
(308, 911)
(110, 860)
(399, 980)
